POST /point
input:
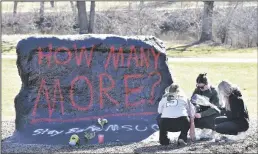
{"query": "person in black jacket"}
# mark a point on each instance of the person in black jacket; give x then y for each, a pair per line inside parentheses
(235, 118)
(205, 115)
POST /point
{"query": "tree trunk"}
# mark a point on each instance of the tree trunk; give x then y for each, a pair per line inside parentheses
(206, 33)
(73, 7)
(52, 3)
(141, 4)
(130, 6)
(140, 18)
(92, 17)
(82, 17)
(15, 8)
(41, 11)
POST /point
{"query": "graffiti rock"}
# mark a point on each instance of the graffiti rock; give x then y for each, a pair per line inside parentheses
(72, 81)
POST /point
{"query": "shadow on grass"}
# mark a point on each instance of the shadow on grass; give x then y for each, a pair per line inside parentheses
(8, 47)
(185, 47)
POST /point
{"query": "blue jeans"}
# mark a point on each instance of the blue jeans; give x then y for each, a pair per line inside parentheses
(206, 122)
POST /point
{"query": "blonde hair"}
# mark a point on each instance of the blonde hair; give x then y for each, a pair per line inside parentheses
(225, 88)
(174, 90)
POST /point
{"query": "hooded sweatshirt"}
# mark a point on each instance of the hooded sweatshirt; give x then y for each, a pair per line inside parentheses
(175, 107)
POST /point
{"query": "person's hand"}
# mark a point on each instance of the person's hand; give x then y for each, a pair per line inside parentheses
(197, 115)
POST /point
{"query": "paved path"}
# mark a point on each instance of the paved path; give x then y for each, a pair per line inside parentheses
(170, 59)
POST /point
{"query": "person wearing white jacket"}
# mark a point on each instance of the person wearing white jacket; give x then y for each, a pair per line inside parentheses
(175, 111)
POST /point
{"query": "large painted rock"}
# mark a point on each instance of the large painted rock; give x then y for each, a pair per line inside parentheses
(69, 82)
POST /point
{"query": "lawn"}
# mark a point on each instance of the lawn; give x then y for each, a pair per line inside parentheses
(11, 85)
(210, 51)
(244, 75)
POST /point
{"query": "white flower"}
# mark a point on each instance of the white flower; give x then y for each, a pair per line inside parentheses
(99, 121)
(102, 122)
(105, 121)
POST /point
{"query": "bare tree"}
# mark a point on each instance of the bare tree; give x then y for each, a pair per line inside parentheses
(141, 3)
(130, 6)
(92, 17)
(82, 17)
(52, 3)
(73, 7)
(41, 11)
(206, 33)
(140, 18)
(15, 8)
(226, 24)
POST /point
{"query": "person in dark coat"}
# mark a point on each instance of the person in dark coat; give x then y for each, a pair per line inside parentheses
(235, 119)
(205, 115)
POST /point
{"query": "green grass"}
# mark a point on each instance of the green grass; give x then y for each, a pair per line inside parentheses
(8, 48)
(212, 51)
(11, 85)
(244, 75)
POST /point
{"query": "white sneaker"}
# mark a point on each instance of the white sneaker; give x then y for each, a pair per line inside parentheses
(222, 139)
(181, 142)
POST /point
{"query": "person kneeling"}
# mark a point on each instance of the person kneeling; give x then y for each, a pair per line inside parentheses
(204, 118)
(236, 118)
(175, 112)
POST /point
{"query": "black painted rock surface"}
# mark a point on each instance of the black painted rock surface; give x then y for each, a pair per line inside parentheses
(69, 82)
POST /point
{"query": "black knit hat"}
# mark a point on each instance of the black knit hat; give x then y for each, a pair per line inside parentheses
(202, 78)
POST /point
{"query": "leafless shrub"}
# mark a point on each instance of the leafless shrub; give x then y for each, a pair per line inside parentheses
(182, 25)
(235, 26)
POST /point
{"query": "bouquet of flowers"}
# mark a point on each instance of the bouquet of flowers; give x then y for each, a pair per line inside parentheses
(89, 135)
(201, 100)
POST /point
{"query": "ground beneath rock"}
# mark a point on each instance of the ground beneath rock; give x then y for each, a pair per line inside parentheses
(241, 145)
